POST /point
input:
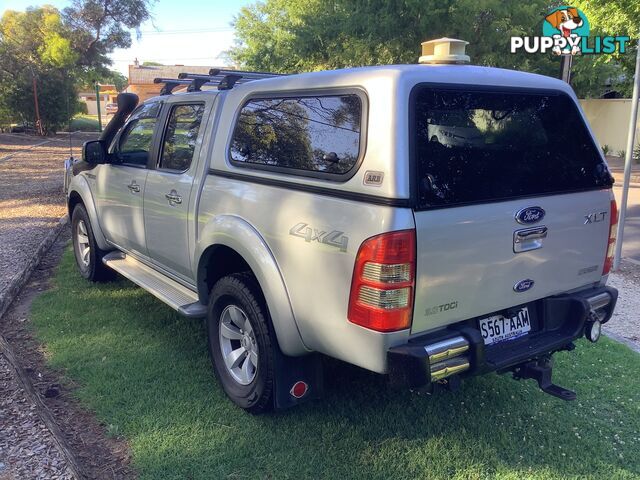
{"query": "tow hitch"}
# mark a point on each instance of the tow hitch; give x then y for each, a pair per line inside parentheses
(540, 370)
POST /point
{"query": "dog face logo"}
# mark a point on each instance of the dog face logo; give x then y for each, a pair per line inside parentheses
(569, 23)
(566, 21)
(565, 31)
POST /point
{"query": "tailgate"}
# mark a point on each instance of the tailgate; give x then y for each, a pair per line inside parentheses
(513, 200)
(467, 263)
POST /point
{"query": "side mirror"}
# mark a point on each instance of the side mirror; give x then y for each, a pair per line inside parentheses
(94, 152)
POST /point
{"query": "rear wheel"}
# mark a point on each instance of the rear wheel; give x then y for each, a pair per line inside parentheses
(241, 342)
(88, 254)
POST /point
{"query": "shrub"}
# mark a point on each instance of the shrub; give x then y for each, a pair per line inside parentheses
(605, 149)
(636, 154)
(622, 153)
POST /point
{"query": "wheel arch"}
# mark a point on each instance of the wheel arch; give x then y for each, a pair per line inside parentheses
(228, 244)
(79, 193)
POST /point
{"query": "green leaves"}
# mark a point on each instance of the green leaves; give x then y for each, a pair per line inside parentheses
(62, 51)
(309, 35)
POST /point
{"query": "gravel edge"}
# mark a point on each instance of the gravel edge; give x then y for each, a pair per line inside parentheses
(10, 292)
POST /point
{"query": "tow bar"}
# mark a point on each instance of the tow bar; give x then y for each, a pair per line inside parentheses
(541, 370)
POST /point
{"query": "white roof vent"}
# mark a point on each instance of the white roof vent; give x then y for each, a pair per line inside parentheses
(444, 50)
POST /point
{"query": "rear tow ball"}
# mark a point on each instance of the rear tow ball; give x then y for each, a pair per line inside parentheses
(540, 370)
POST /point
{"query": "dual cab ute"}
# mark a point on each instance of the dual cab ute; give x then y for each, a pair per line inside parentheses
(428, 222)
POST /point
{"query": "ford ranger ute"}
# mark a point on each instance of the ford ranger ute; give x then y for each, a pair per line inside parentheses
(429, 222)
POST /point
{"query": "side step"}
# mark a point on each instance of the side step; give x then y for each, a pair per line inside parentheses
(177, 296)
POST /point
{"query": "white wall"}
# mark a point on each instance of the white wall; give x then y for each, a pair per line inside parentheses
(92, 108)
(609, 119)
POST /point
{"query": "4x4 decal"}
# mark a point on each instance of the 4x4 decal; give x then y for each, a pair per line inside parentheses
(335, 238)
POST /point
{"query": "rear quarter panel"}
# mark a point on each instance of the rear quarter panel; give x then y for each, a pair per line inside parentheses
(317, 275)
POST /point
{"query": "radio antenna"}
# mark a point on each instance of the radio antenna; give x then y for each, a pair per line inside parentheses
(69, 127)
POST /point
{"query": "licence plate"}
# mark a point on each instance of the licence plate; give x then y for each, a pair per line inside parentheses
(499, 328)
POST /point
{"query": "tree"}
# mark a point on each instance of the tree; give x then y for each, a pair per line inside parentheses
(307, 35)
(298, 35)
(62, 51)
(614, 17)
(35, 45)
(100, 26)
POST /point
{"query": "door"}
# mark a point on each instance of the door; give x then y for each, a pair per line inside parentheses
(513, 201)
(168, 190)
(120, 185)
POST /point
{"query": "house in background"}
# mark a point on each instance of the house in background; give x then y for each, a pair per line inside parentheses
(108, 94)
(141, 77)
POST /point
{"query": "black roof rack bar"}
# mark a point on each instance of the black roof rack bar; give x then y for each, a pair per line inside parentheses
(245, 73)
(170, 84)
(224, 82)
(222, 74)
(196, 84)
(224, 79)
(229, 81)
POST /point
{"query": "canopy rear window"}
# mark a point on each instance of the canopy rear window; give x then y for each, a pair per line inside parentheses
(481, 146)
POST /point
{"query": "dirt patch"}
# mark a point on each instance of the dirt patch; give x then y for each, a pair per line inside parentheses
(99, 456)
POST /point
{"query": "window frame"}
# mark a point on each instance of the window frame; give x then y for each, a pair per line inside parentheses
(169, 107)
(295, 94)
(411, 131)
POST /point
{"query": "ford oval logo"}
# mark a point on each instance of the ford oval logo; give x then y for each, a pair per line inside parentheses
(523, 285)
(530, 215)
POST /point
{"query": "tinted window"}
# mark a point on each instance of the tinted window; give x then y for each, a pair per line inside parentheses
(134, 143)
(486, 146)
(180, 137)
(318, 134)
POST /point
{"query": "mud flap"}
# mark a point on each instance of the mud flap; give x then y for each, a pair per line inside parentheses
(297, 379)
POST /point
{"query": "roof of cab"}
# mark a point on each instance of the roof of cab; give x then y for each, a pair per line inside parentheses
(404, 75)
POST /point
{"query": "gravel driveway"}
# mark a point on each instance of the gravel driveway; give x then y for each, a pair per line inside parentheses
(27, 449)
(625, 322)
(31, 203)
(31, 197)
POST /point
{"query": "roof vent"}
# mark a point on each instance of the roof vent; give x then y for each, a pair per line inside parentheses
(444, 50)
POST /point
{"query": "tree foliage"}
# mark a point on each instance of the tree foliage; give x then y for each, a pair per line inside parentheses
(307, 35)
(61, 50)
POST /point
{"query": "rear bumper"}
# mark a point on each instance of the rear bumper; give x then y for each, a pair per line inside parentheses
(459, 349)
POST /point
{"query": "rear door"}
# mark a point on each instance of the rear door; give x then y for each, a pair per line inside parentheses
(168, 189)
(513, 201)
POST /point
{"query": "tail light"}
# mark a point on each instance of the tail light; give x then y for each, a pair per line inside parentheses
(613, 232)
(383, 282)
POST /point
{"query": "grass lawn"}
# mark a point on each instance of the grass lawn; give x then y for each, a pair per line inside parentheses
(86, 123)
(145, 372)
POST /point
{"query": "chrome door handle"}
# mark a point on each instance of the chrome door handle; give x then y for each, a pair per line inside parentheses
(529, 239)
(530, 234)
(134, 187)
(174, 198)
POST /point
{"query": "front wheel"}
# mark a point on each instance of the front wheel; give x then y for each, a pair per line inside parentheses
(88, 254)
(241, 342)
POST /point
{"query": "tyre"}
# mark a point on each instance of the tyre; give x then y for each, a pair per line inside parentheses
(242, 342)
(88, 255)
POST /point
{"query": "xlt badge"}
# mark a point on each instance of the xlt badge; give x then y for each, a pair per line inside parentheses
(595, 217)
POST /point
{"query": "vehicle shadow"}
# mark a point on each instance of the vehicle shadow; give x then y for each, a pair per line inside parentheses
(145, 372)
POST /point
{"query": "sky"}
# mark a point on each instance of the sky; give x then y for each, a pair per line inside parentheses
(185, 32)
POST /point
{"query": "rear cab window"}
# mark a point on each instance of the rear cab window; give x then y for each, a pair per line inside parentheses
(478, 146)
(317, 136)
(180, 137)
